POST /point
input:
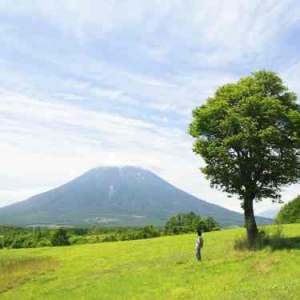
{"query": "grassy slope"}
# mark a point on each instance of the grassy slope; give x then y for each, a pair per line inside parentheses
(162, 268)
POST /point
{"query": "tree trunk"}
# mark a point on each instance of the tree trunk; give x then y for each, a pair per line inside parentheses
(250, 223)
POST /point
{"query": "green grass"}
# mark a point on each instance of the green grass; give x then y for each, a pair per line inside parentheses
(16, 271)
(161, 268)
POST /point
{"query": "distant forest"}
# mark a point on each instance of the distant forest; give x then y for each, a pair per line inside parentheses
(20, 237)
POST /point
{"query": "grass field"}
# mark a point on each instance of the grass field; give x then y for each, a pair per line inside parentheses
(161, 268)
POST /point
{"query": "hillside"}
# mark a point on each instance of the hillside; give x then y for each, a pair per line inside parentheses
(161, 268)
(270, 213)
(114, 196)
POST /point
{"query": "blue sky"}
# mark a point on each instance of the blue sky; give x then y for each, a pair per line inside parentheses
(90, 83)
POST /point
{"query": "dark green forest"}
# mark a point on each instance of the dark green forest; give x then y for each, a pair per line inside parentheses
(22, 237)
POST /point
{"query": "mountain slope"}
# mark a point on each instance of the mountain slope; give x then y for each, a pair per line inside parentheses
(270, 213)
(113, 196)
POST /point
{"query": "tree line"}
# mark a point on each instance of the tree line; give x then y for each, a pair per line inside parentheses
(14, 238)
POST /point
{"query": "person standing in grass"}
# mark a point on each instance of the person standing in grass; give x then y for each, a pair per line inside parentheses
(199, 245)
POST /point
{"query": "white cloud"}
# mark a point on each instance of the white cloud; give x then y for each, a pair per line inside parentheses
(209, 24)
(291, 76)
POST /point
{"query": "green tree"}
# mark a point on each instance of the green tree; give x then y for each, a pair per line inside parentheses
(181, 223)
(210, 224)
(189, 222)
(60, 238)
(248, 134)
(37, 232)
(290, 212)
(150, 231)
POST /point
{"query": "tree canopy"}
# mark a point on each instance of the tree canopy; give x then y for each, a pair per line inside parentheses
(60, 237)
(248, 134)
(290, 212)
(189, 222)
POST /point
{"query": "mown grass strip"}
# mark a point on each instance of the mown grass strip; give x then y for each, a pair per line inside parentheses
(17, 271)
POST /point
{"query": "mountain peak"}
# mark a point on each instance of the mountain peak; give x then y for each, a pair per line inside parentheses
(120, 168)
(115, 196)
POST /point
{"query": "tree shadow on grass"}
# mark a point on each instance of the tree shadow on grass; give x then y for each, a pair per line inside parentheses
(283, 243)
(274, 240)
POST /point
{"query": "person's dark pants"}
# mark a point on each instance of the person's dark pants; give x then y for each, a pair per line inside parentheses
(198, 254)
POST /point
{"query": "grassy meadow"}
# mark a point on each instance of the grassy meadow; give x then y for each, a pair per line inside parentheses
(159, 268)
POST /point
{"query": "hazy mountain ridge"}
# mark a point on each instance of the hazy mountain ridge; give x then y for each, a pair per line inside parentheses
(270, 213)
(113, 196)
